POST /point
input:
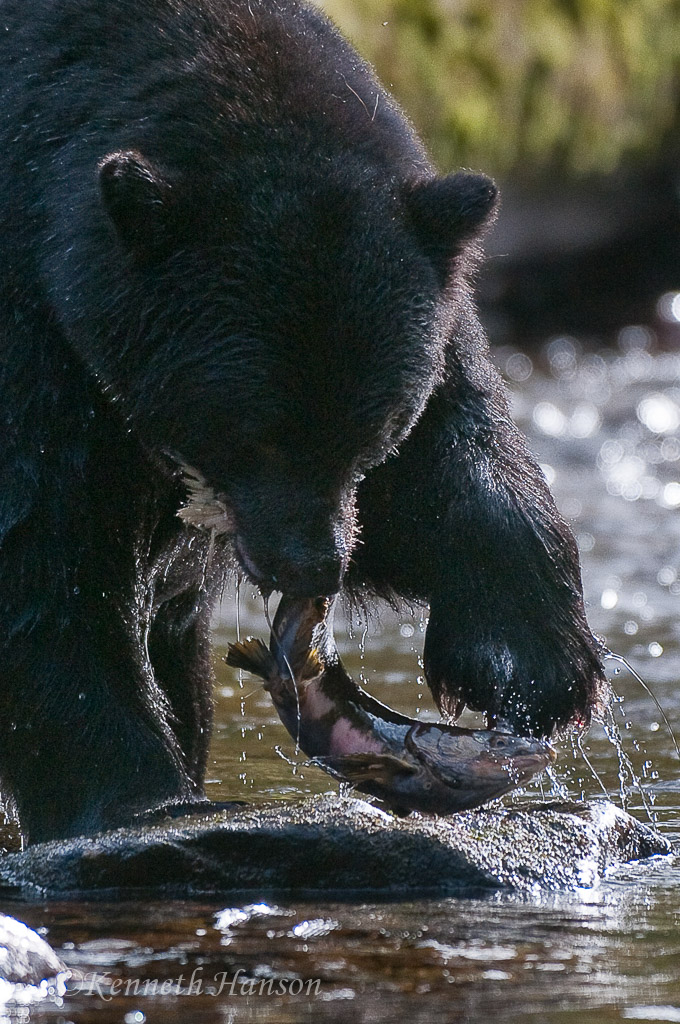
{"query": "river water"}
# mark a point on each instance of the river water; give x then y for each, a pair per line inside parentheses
(606, 428)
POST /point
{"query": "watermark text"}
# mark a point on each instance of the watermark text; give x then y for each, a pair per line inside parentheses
(107, 986)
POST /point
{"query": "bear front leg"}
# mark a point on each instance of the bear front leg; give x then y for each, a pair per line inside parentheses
(462, 518)
(181, 656)
(87, 732)
(96, 747)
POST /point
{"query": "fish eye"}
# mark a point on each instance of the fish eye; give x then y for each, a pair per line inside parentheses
(490, 740)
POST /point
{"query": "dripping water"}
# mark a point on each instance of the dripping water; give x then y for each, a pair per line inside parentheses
(626, 769)
(238, 639)
(207, 562)
(610, 656)
(558, 787)
(291, 673)
(628, 778)
(591, 767)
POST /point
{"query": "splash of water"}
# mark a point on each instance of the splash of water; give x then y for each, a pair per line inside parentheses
(558, 787)
(295, 765)
(609, 655)
(626, 769)
(590, 765)
(628, 779)
(362, 642)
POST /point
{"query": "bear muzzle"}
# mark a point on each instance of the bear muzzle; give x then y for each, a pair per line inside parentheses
(294, 572)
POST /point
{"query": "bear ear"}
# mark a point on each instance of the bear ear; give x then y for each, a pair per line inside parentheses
(448, 213)
(137, 199)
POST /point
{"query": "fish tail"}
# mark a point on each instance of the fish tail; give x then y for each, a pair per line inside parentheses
(253, 656)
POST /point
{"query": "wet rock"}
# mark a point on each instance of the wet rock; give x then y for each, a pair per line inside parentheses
(341, 845)
(25, 958)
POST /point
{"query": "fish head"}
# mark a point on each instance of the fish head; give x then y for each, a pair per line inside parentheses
(484, 763)
(502, 755)
(300, 631)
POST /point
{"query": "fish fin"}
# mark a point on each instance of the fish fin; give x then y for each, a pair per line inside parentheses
(311, 666)
(360, 769)
(253, 656)
(296, 628)
(301, 661)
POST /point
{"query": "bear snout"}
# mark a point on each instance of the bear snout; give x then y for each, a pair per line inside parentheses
(295, 570)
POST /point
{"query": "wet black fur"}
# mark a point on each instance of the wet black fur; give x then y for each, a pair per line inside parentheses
(222, 245)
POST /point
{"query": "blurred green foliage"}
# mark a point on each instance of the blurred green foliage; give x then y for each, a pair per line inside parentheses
(526, 86)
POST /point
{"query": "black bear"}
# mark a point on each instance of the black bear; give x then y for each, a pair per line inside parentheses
(233, 288)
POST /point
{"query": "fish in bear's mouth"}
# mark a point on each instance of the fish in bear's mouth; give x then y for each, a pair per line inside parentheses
(433, 768)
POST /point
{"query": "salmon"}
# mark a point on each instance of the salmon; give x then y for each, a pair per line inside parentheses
(434, 768)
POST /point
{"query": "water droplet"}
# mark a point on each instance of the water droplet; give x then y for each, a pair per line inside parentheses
(635, 338)
(611, 452)
(549, 419)
(668, 307)
(562, 353)
(670, 495)
(659, 413)
(584, 421)
(548, 472)
(519, 367)
(670, 449)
